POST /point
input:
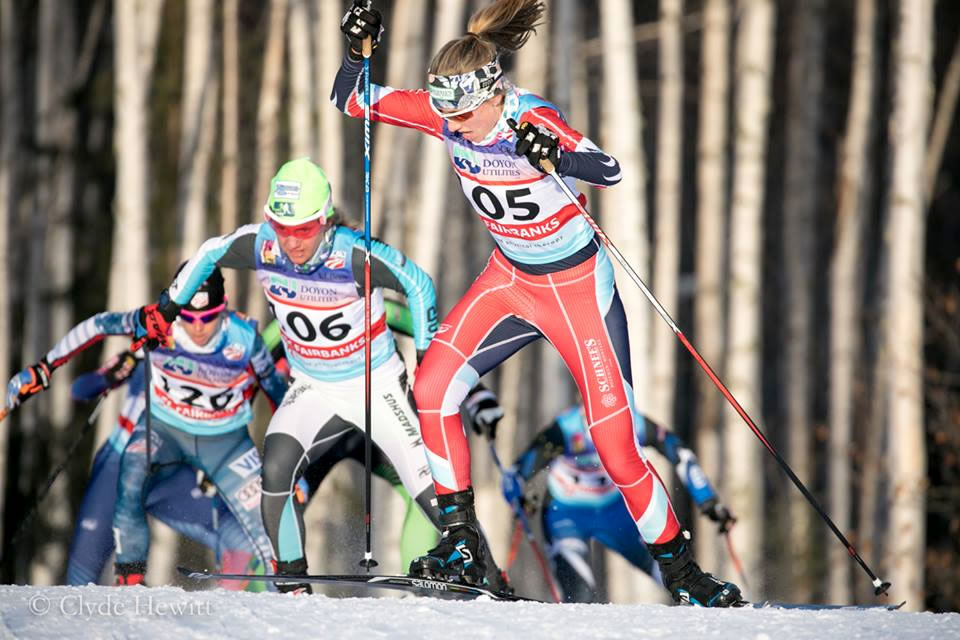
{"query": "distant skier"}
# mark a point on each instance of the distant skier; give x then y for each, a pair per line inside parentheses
(203, 380)
(177, 501)
(549, 277)
(582, 502)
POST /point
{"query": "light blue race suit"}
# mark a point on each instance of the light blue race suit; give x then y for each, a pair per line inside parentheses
(319, 307)
(177, 501)
(200, 404)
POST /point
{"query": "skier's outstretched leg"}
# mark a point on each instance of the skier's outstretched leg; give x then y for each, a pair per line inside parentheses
(303, 430)
(130, 529)
(232, 463)
(594, 344)
(92, 541)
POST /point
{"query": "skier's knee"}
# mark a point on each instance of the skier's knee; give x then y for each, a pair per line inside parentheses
(282, 457)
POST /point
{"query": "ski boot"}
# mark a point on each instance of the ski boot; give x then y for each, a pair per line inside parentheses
(292, 568)
(129, 573)
(461, 553)
(686, 581)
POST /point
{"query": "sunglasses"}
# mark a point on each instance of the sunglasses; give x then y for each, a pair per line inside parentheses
(460, 117)
(302, 231)
(206, 317)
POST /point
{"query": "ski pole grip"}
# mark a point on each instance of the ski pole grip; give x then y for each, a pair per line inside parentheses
(367, 47)
(4, 413)
(547, 166)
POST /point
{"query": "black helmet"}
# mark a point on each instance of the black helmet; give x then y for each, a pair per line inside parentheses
(210, 294)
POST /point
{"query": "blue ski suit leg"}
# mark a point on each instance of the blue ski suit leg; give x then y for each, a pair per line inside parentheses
(232, 463)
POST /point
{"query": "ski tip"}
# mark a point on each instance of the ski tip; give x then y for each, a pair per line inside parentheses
(191, 573)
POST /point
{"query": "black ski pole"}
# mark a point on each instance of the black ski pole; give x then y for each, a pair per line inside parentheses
(147, 390)
(368, 562)
(31, 512)
(879, 585)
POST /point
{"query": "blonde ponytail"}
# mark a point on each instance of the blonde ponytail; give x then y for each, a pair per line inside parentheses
(505, 25)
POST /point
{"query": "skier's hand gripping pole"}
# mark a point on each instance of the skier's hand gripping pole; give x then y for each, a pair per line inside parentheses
(880, 587)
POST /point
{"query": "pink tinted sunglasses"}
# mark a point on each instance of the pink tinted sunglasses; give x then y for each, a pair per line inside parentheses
(206, 317)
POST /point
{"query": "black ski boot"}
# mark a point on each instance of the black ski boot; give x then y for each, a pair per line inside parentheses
(292, 568)
(686, 581)
(460, 555)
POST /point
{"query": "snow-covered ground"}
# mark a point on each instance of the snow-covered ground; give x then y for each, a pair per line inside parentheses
(171, 613)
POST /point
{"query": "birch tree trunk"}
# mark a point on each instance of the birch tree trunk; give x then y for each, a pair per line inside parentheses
(268, 132)
(329, 43)
(666, 246)
(136, 26)
(711, 233)
(904, 338)
(56, 136)
(943, 119)
(230, 129)
(744, 481)
(434, 161)
(801, 202)
(12, 95)
(197, 127)
(625, 215)
(845, 293)
(302, 139)
(394, 147)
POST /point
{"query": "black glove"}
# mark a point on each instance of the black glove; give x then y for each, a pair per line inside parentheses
(118, 369)
(536, 144)
(362, 21)
(484, 411)
(719, 513)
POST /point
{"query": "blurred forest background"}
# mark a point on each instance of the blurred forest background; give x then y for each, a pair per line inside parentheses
(790, 193)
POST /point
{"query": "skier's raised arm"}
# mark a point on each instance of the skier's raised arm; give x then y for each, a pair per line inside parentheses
(36, 378)
(399, 107)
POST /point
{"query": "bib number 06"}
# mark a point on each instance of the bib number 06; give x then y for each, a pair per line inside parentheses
(329, 327)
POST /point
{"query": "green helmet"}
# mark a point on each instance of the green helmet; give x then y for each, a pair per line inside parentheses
(299, 193)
